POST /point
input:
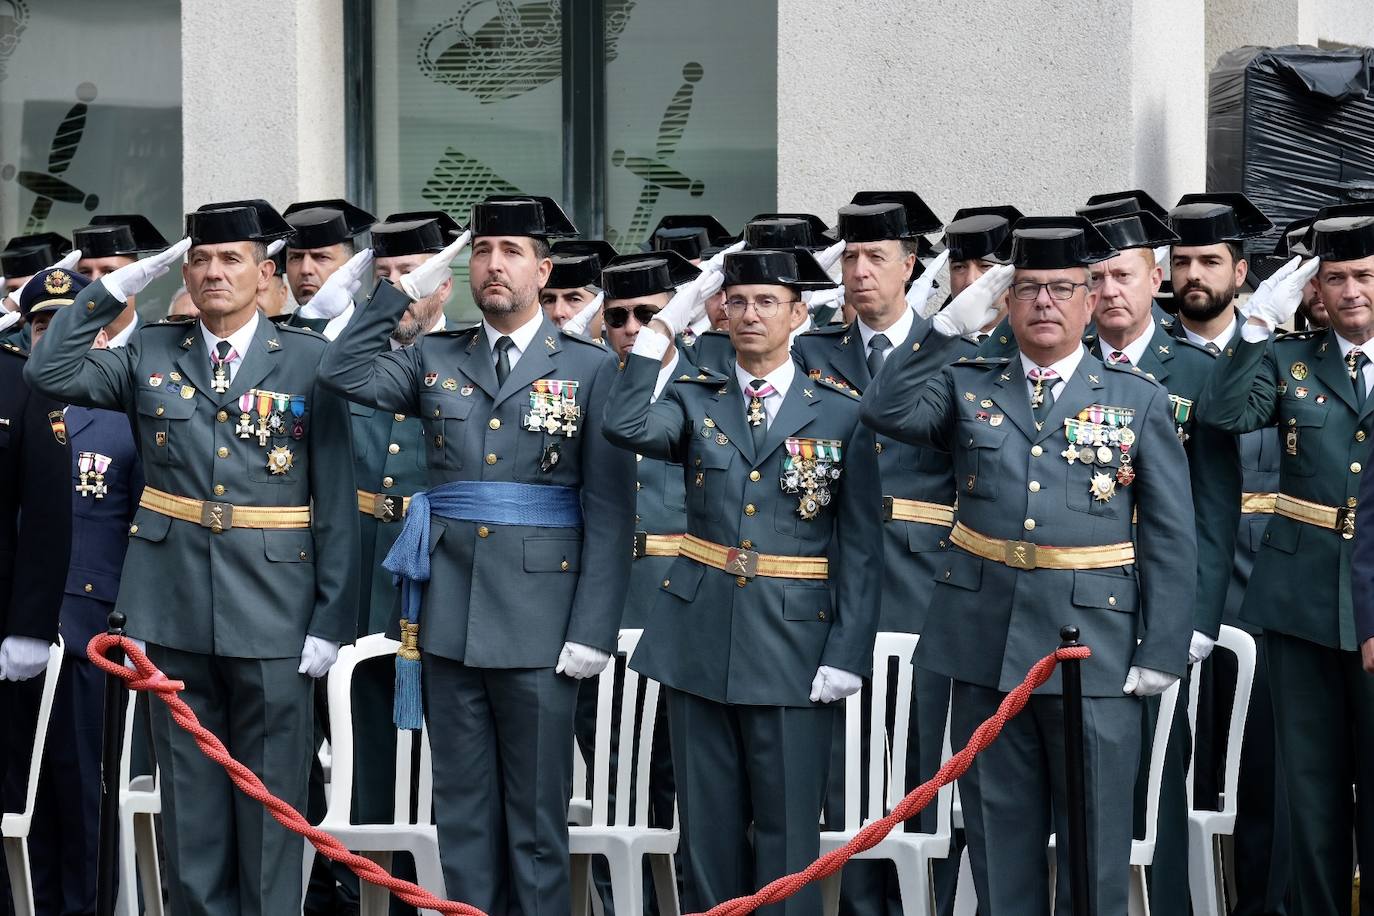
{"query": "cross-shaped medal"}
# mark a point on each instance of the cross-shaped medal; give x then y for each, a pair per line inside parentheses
(221, 379)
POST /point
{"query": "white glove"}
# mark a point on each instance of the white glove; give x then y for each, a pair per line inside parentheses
(822, 298)
(22, 657)
(699, 327)
(689, 302)
(9, 320)
(577, 324)
(317, 656)
(276, 246)
(1147, 682)
(425, 280)
(132, 279)
(1278, 298)
(831, 684)
(923, 297)
(830, 260)
(717, 260)
(335, 295)
(976, 305)
(578, 661)
(66, 262)
(1162, 256)
(1200, 647)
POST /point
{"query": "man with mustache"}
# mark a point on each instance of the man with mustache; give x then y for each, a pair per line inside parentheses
(574, 280)
(325, 237)
(518, 468)
(1054, 453)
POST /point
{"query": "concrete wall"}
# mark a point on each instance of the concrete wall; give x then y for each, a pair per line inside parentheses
(263, 100)
(1035, 103)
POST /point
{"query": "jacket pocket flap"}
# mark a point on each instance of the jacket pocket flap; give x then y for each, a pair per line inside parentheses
(165, 405)
(962, 570)
(1283, 534)
(1105, 590)
(921, 537)
(801, 602)
(683, 579)
(553, 554)
(450, 408)
(287, 545)
(979, 435)
(149, 525)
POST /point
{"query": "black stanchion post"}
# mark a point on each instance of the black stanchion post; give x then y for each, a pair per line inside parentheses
(111, 738)
(1073, 760)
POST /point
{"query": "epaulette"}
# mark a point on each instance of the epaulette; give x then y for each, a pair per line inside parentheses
(825, 330)
(171, 321)
(836, 385)
(981, 362)
(276, 319)
(1187, 344)
(456, 332)
(705, 377)
(1131, 372)
(1308, 334)
(16, 351)
(583, 339)
(306, 332)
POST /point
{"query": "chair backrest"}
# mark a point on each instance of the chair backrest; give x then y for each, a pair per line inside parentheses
(341, 740)
(1242, 645)
(131, 708)
(40, 738)
(634, 747)
(1168, 702)
(892, 689)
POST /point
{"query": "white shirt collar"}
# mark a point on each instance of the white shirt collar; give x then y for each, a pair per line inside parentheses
(1220, 341)
(123, 336)
(1066, 367)
(239, 340)
(780, 378)
(1346, 346)
(895, 334)
(1133, 350)
(665, 375)
(522, 336)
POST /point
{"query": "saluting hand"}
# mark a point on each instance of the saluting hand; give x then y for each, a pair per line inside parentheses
(1277, 299)
(977, 305)
(923, 297)
(336, 294)
(830, 259)
(425, 280)
(132, 279)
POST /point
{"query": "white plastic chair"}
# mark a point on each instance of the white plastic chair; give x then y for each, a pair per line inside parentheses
(1206, 878)
(622, 835)
(377, 841)
(14, 826)
(140, 803)
(911, 853)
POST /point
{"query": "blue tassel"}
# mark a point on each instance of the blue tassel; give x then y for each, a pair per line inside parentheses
(408, 712)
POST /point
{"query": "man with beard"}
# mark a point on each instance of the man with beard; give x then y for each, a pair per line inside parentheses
(109, 243)
(1207, 271)
(518, 467)
(574, 280)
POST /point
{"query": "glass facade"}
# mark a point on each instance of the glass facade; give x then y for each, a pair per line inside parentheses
(488, 96)
(85, 133)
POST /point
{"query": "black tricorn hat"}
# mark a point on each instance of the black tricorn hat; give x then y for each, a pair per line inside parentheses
(917, 217)
(521, 214)
(795, 267)
(26, 255)
(718, 235)
(690, 241)
(634, 276)
(1052, 242)
(578, 262)
(1211, 219)
(321, 223)
(787, 230)
(236, 221)
(1141, 229)
(413, 232)
(1343, 238)
(1121, 203)
(976, 233)
(1355, 208)
(118, 235)
(1296, 239)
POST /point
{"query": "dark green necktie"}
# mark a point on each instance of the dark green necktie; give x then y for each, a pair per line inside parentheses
(503, 345)
(1042, 396)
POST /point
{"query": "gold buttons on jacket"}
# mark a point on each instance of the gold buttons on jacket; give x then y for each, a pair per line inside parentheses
(746, 544)
(494, 423)
(388, 482)
(667, 582)
(754, 476)
(304, 556)
(1033, 486)
(638, 486)
(563, 566)
(1360, 435)
(89, 587)
(133, 529)
(741, 581)
(1111, 599)
(393, 449)
(222, 417)
(222, 452)
(399, 417)
(1355, 467)
(750, 510)
(1036, 451)
(878, 447)
(1029, 524)
(160, 410)
(483, 531)
(219, 489)
(491, 458)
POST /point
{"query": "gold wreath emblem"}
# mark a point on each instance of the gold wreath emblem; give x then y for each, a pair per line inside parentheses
(57, 282)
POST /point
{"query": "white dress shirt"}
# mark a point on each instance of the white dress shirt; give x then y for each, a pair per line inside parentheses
(522, 336)
(1066, 367)
(1367, 348)
(895, 334)
(239, 341)
(780, 378)
(1133, 350)
(1220, 341)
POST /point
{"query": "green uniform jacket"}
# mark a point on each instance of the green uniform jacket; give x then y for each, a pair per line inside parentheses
(502, 596)
(989, 622)
(245, 592)
(1213, 463)
(759, 643)
(1300, 585)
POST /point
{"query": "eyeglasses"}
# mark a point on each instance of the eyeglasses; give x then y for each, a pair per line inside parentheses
(1059, 289)
(764, 306)
(619, 316)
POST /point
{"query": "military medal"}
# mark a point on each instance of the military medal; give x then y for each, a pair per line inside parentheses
(264, 432)
(279, 460)
(187, 392)
(155, 380)
(1183, 411)
(430, 379)
(84, 464)
(1125, 474)
(221, 379)
(550, 458)
(467, 390)
(996, 419)
(298, 415)
(756, 414)
(1103, 487)
(450, 384)
(808, 471)
(281, 403)
(1298, 371)
(1071, 431)
(244, 429)
(1104, 455)
(102, 464)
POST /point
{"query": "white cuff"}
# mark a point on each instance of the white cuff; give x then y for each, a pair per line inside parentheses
(651, 343)
(1253, 333)
(942, 323)
(114, 291)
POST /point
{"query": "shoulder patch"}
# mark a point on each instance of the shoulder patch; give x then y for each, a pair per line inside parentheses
(1184, 345)
(305, 332)
(1132, 372)
(14, 350)
(1309, 334)
(981, 362)
(701, 377)
(174, 320)
(835, 384)
(583, 339)
(827, 330)
(456, 332)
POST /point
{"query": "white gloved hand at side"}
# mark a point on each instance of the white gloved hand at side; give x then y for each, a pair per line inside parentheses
(336, 294)
(578, 661)
(132, 279)
(1277, 299)
(22, 657)
(977, 305)
(425, 280)
(831, 684)
(1147, 682)
(317, 656)
(577, 324)
(1200, 647)
(923, 297)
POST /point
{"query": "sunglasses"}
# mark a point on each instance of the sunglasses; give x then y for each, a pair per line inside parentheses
(618, 316)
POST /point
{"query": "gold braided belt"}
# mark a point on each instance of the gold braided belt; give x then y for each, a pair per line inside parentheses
(1257, 503)
(746, 564)
(656, 545)
(218, 516)
(1332, 518)
(896, 509)
(383, 506)
(1026, 555)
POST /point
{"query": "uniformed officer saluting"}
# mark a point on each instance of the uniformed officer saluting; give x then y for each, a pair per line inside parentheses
(748, 635)
(250, 476)
(519, 469)
(1051, 447)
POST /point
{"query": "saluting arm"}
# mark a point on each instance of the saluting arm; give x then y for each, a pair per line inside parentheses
(65, 367)
(910, 399)
(1242, 393)
(637, 423)
(358, 366)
